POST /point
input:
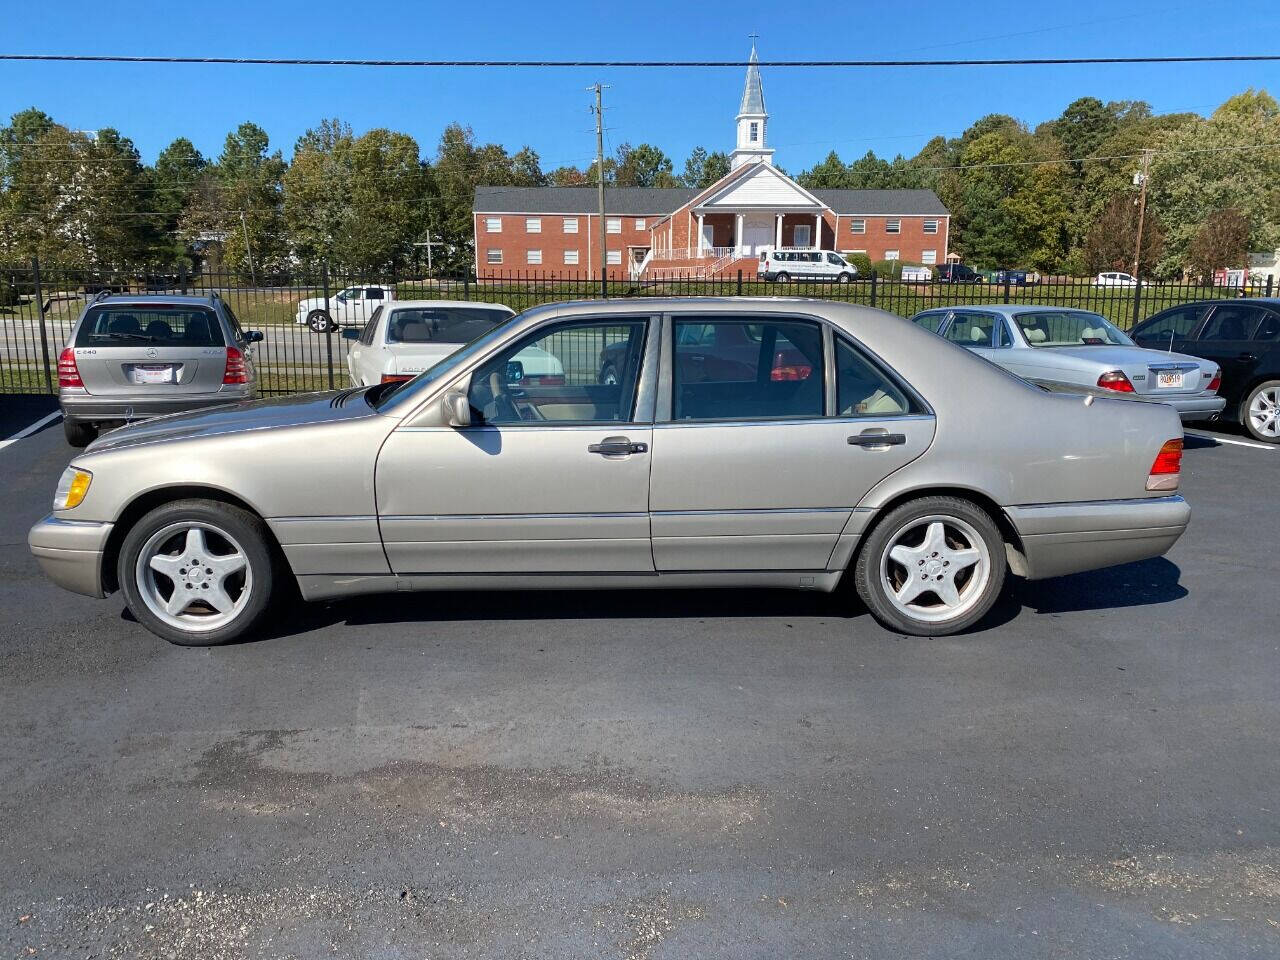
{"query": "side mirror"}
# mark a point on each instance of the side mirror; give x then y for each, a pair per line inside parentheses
(457, 408)
(253, 336)
(350, 333)
(515, 371)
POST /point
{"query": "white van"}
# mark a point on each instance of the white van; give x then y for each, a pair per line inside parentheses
(785, 265)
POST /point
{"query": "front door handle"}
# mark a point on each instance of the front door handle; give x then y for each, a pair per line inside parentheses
(869, 439)
(617, 447)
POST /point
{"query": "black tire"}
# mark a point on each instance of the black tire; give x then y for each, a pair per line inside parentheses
(319, 322)
(247, 530)
(873, 589)
(1247, 422)
(78, 433)
(846, 278)
(783, 278)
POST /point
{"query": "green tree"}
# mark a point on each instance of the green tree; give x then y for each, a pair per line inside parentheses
(1220, 163)
(643, 165)
(179, 174)
(1112, 239)
(1221, 241)
(702, 169)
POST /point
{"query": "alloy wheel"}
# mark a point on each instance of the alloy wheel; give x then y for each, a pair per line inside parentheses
(194, 576)
(1264, 413)
(935, 568)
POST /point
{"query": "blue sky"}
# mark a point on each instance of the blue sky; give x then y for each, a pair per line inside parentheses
(812, 111)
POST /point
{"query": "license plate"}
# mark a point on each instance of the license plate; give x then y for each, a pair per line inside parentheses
(153, 373)
(1169, 378)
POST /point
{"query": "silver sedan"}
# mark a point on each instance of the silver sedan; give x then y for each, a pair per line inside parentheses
(847, 444)
(1078, 351)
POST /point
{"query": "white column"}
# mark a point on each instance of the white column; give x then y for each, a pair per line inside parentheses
(737, 234)
(778, 230)
(700, 234)
(817, 231)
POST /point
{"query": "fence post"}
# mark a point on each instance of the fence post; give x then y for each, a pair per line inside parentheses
(328, 327)
(466, 286)
(874, 284)
(1270, 278)
(182, 276)
(1137, 302)
(1007, 281)
(739, 282)
(44, 330)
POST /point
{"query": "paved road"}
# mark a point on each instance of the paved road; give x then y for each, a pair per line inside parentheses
(1093, 774)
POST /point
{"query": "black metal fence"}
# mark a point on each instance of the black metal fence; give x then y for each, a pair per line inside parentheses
(305, 343)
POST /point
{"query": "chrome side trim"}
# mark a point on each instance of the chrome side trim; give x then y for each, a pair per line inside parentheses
(359, 516)
(686, 424)
(1134, 501)
(748, 511)
(510, 516)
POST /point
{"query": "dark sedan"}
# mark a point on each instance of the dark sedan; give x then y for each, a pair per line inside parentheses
(1243, 337)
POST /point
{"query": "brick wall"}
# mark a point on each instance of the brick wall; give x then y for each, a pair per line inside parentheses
(911, 242)
(515, 241)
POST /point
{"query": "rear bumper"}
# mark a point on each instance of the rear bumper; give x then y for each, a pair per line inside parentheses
(70, 553)
(95, 408)
(1062, 538)
(1196, 408)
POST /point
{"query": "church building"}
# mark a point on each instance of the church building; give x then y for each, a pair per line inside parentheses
(652, 233)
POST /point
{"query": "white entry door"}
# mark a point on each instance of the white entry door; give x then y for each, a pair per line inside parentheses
(757, 235)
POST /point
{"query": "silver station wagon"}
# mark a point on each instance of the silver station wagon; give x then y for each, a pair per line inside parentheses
(134, 357)
(738, 442)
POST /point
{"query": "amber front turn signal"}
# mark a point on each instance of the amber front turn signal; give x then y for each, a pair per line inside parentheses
(72, 487)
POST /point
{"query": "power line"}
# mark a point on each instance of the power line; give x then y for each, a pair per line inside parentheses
(629, 64)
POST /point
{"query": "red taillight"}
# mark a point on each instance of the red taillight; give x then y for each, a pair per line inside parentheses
(1115, 380)
(235, 370)
(68, 372)
(1216, 382)
(1167, 467)
(782, 370)
(396, 377)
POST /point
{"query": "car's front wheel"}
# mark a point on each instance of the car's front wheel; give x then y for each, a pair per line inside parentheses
(197, 572)
(78, 433)
(319, 321)
(783, 278)
(845, 277)
(931, 567)
(1260, 412)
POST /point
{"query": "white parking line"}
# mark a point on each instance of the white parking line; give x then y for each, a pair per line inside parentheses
(28, 431)
(1238, 443)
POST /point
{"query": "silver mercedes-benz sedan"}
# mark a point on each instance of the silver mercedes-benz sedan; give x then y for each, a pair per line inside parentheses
(1078, 351)
(848, 444)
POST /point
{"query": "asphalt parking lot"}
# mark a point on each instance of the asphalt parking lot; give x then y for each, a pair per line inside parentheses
(1093, 773)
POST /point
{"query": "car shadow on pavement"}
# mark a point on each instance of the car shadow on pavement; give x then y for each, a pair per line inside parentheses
(1129, 585)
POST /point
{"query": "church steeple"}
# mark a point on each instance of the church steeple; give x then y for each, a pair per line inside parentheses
(752, 118)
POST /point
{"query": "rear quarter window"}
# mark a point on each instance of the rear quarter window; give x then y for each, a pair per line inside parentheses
(158, 326)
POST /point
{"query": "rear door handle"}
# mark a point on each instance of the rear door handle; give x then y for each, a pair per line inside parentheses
(617, 447)
(1247, 357)
(877, 440)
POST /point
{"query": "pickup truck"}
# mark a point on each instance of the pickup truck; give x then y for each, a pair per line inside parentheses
(348, 308)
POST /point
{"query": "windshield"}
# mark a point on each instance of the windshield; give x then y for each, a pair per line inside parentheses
(443, 324)
(1069, 328)
(440, 370)
(157, 325)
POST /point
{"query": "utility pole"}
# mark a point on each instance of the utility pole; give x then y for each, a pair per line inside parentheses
(253, 273)
(604, 253)
(1142, 210)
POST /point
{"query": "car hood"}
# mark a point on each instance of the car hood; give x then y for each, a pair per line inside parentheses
(269, 414)
(311, 303)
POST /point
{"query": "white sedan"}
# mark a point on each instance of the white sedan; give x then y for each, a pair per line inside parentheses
(1113, 278)
(406, 337)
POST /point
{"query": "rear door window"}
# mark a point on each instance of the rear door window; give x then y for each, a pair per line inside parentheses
(442, 324)
(862, 390)
(970, 328)
(1232, 322)
(1269, 328)
(747, 370)
(931, 321)
(159, 326)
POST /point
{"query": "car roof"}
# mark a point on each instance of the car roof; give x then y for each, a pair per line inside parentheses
(154, 299)
(396, 304)
(1010, 308)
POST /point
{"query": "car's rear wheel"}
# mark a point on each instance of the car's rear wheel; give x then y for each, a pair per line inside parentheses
(1260, 412)
(931, 567)
(319, 321)
(79, 433)
(197, 572)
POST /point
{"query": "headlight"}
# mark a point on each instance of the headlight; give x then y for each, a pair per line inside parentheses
(72, 487)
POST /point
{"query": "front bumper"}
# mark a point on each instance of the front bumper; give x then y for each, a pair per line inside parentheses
(1062, 538)
(70, 552)
(94, 408)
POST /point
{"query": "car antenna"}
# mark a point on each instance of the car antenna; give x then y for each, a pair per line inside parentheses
(1170, 341)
